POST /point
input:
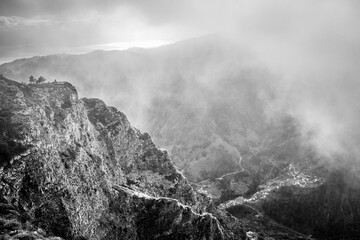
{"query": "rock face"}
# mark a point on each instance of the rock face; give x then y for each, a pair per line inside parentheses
(76, 169)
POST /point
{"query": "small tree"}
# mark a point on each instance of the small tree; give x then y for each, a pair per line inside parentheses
(41, 79)
(32, 79)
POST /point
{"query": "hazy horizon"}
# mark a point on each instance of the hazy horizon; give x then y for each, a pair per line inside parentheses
(313, 47)
(84, 49)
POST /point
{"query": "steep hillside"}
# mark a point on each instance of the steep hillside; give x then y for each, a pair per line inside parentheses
(203, 100)
(76, 169)
(331, 210)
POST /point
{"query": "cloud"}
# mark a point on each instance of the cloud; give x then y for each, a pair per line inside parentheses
(9, 22)
(14, 21)
(314, 46)
(33, 8)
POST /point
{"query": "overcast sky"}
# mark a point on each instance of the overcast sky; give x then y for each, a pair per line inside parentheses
(29, 27)
(35, 27)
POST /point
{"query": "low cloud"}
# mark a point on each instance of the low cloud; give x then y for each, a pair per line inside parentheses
(314, 47)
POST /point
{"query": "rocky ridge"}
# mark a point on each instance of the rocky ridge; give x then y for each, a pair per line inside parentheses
(76, 169)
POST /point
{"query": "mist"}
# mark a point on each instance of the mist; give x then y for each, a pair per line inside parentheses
(243, 113)
(306, 53)
(315, 50)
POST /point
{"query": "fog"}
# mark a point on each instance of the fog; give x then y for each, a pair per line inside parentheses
(315, 49)
(312, 47)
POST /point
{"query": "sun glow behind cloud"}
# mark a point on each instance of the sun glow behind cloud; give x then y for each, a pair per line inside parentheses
(87, 49)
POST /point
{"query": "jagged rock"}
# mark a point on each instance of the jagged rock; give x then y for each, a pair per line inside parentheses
(159, 218)
(64, 159)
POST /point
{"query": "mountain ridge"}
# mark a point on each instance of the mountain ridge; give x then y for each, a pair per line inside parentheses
(77, 154)
(173, 78)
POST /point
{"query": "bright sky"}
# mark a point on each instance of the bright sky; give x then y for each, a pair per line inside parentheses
(40, 27)
(21, 52)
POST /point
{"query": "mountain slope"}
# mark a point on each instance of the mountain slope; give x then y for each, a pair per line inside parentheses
(210, 105)
(76, 169)
(201, 99)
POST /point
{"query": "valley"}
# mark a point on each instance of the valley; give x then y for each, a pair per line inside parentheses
(215, 111)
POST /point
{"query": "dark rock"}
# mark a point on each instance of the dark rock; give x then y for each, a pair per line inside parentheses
(69, 159)
(330, 210)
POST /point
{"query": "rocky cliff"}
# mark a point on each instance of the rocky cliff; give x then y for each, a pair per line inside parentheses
(76, 169)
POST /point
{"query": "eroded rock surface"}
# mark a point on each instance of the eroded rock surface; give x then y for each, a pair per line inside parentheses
(76, 169)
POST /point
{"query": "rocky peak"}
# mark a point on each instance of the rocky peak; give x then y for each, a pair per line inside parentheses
(76, 169)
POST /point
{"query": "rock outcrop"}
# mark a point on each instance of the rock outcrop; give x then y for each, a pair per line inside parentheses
(76, 169)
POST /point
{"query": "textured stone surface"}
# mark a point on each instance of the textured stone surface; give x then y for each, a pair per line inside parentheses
(64, 159)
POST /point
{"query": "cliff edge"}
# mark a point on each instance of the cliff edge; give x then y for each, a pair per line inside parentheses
(75, 168)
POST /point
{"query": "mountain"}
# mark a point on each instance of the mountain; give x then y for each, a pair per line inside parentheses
(214, 108)
(200, 99)
(76, 169)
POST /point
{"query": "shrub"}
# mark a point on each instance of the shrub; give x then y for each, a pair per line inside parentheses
(41, 79)
(32, 79)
